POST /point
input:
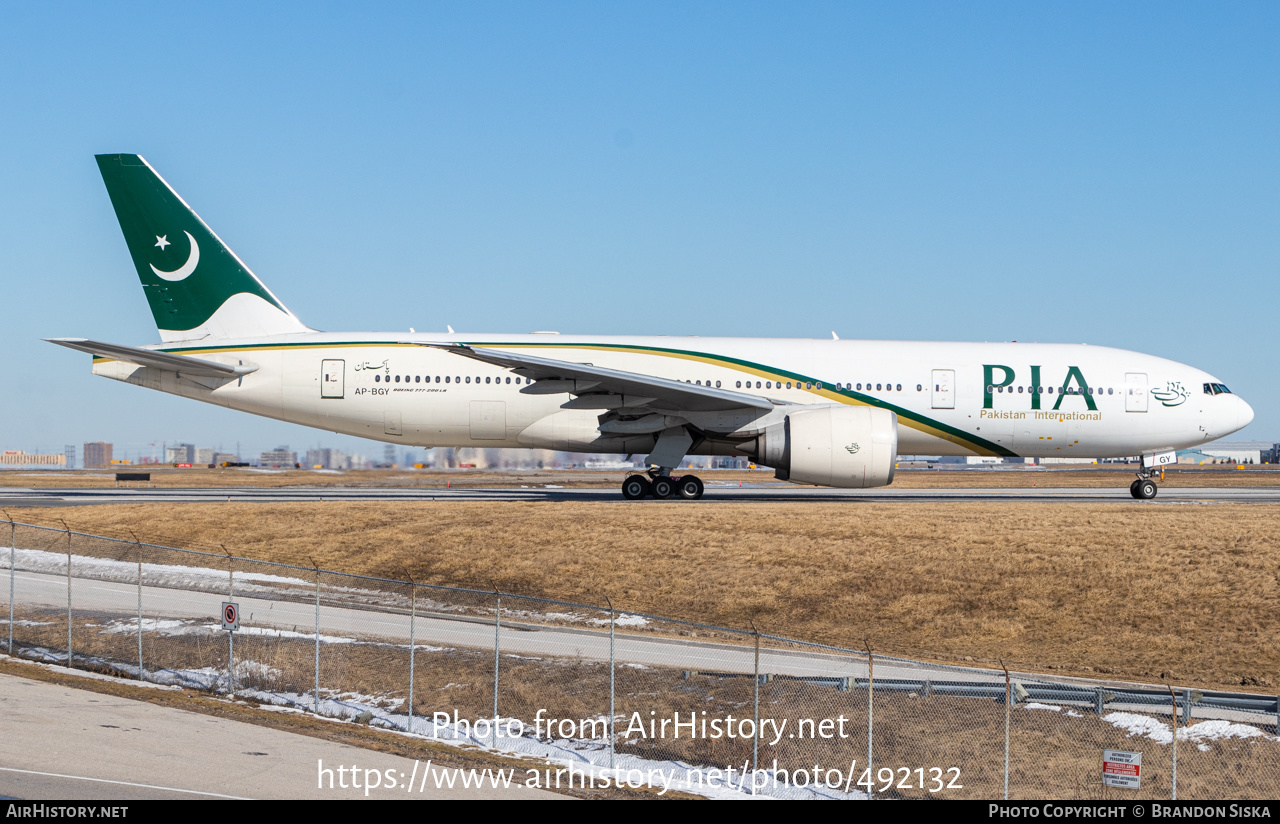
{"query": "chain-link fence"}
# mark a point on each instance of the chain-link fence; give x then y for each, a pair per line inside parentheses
(610, 693)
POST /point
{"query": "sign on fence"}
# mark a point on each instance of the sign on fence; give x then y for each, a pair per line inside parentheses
(1122, 769)
(230, 615)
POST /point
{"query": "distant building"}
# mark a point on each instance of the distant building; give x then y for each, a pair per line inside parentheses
(180, 453)
(1237, 451)
(97, 455)
(16, 457)
(204, 456)
(280, 456)
(70, 452)
(319, 459)
(1272, 455)
(220, 458)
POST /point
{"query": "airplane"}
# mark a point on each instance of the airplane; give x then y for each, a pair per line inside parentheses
(833, 413)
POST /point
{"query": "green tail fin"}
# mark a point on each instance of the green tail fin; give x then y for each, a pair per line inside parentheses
(196, 286)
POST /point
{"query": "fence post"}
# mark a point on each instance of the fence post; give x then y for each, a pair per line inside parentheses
(1008, 694)
(316, 694)
(413, 613)
(68, 529)
(871, 709)
(231, 634)
(611, 711)
(141, 671)
(755, 739)
(497, 628)
(1174, 698)
(13, 552)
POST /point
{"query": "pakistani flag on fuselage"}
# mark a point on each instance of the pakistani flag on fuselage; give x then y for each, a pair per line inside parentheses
(196, 286)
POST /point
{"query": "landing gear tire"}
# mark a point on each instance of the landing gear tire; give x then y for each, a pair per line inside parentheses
(635, 487)
(662, 487)
(690, 487)
(1146, 490)
(1133, 488)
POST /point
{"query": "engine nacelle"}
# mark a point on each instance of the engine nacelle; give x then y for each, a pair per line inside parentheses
(853, 447)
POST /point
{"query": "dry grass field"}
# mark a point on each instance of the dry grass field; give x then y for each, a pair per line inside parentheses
(1111, 476)
(1186, 592)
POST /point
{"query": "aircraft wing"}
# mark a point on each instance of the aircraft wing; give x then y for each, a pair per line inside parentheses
(182, 364)
(596, 387)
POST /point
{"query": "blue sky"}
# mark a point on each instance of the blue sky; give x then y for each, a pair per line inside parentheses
(1086, 172)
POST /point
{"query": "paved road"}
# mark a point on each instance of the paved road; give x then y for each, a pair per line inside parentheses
(15, 496)
(68, 744)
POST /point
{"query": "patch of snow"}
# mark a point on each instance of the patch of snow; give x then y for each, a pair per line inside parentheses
(1034, 706)
(623, 621)
(1214, 730)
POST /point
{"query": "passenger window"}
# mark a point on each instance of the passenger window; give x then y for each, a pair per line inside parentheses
(717, 384)
(417, 379)
(859, 387)
(377, 378)
(899, 388)
(768, 384)
(819, 384)
(757, 384)
(1110, 391)
(508, 380)
(877, 387)
(919, 387)
(397, 378)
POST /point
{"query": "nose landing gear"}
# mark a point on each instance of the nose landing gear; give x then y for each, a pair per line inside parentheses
(1144, 489)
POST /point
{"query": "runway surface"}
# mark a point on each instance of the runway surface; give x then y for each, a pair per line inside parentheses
(68, 744)
(16, 496)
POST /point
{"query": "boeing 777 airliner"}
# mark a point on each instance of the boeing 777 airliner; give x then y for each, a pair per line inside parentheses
(826, 412)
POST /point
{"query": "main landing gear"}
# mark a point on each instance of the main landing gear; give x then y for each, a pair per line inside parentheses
(660, 484)
(1144, 489)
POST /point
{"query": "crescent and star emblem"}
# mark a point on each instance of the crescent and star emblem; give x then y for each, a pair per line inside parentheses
(184, 271)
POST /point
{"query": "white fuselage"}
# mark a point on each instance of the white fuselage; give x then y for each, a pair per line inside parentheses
(950, 398)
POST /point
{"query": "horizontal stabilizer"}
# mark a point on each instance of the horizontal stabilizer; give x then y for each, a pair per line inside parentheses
(156, 359)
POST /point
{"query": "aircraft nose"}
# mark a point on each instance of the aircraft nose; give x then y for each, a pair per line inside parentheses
(1245, 414)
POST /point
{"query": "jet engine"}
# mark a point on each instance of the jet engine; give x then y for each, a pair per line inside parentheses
(853, 447)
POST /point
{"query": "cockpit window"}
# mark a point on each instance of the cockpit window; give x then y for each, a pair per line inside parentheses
(1216, 389)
